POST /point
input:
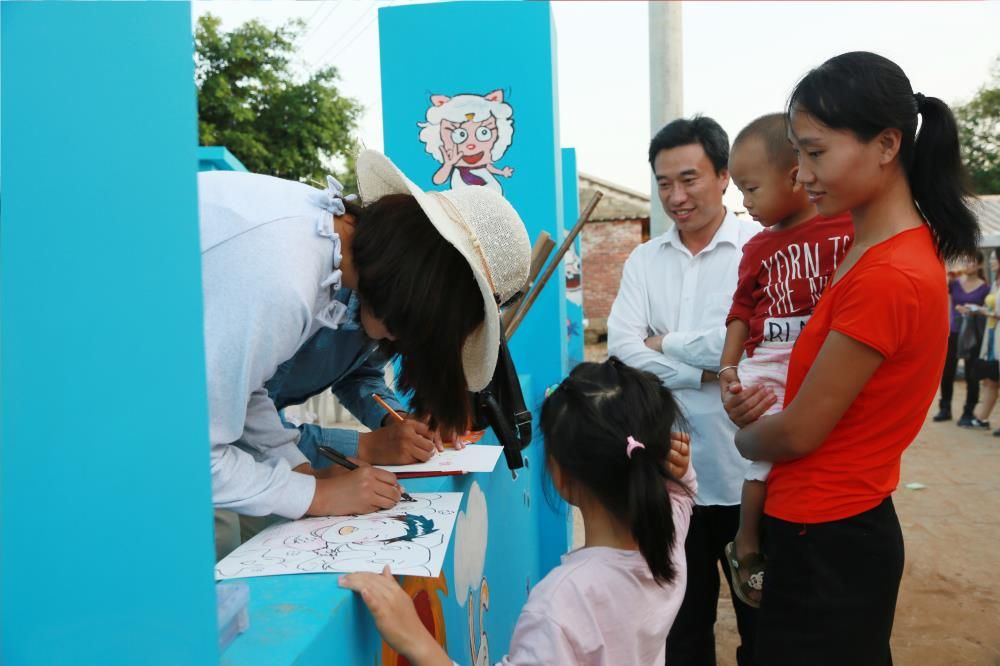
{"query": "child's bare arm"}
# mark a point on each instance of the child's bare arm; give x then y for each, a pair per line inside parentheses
(737, 333)
(396, 618)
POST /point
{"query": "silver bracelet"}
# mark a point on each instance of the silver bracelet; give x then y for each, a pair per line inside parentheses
(728, 367)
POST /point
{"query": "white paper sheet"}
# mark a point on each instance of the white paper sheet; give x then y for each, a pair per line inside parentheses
(412, 538)
(473, 458)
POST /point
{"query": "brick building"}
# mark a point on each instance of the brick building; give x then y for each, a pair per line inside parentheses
(619, 224)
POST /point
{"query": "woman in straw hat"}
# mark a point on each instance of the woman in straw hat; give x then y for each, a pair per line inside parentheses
(301, 286)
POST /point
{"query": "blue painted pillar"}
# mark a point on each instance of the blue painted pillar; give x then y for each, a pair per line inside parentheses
(573, 262)
(460, 111)
(106, 525)
(496, 105)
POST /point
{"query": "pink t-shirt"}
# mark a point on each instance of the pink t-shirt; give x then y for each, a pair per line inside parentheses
(601, 606)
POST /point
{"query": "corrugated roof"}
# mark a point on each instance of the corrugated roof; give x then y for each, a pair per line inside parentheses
(987, 210)
(619, 202)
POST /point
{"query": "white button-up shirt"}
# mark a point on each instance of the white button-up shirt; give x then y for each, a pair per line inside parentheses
(667, 291)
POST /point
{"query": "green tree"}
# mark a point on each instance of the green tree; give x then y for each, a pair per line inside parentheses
(979, 134)
(250, 101)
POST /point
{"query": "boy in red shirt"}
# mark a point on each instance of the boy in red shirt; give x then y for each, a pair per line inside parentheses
(784, 270)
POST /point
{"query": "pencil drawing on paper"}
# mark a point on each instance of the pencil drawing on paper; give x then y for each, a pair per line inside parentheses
(411, 538)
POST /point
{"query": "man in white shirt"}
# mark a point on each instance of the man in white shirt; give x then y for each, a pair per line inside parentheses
(669, 319)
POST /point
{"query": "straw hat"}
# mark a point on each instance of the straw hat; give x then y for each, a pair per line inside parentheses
(485, 229)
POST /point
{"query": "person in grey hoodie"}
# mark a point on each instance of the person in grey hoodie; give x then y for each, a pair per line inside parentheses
(285, 265)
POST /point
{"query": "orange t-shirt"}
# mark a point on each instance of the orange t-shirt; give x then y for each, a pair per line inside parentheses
(894, 300)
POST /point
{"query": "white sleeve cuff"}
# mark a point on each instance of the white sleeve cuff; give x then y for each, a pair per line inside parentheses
(294, 499)
(671, 346)
(688, 376)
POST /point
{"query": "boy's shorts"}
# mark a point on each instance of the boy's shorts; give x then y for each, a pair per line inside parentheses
(767, 366)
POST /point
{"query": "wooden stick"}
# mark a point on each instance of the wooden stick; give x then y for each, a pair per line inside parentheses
(553, 264)
(539, 253)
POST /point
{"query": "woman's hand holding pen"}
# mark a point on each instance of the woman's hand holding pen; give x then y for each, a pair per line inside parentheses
(398, 443)
(363, 490)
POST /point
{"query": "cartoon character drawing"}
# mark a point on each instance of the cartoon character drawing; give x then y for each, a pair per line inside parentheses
(425, 595)
(481, 656)
(469, 134)
(377, 541)
(412, 538)
(574, 276)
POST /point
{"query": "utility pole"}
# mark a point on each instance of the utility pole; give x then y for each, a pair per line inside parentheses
(666, 86)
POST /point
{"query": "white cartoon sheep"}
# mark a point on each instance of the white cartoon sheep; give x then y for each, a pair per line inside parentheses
(469, 134)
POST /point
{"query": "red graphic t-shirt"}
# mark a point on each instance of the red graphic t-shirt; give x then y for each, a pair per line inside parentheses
(782, 275)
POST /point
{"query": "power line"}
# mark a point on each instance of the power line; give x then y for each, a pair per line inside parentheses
(337, 42)
(312, 32)
(319, 6)
(354, 39)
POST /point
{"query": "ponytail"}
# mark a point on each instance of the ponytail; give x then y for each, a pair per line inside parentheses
(608, 429)
(939, 182)
(650, 513)
(866, 93)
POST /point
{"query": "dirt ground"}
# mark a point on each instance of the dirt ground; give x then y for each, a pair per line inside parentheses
(949, 601)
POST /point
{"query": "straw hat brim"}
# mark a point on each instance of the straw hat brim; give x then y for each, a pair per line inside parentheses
(378, 177)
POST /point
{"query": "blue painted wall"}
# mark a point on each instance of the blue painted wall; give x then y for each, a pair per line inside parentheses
(106, 543)
(527, 533)
(524, 68)
(105, 506)
(573, 262)
(218, 158)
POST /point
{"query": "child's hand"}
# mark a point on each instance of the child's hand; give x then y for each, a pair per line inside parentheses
(396, 618)
(727, 378)
(680, 454)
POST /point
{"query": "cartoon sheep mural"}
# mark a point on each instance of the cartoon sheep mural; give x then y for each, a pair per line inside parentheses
(468, 135)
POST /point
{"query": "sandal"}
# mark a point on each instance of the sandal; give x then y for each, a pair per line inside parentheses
(747, 574)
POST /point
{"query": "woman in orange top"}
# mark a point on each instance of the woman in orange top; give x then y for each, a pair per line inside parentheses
(865, 369)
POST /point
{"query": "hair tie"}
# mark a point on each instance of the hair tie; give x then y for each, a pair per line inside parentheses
(921, 100)
(632, 445)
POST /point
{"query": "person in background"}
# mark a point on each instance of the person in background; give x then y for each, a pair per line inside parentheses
(987, 368)
(970, 288)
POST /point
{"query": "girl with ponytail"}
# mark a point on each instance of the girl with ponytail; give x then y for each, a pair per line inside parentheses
(864, 370)
(610, 450)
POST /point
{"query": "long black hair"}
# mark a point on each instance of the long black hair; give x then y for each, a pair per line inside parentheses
(866, 93)
(424, 292)
(586, 424)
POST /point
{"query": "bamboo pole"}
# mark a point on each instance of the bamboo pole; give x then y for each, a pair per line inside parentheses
(539, 253)
(553, 264)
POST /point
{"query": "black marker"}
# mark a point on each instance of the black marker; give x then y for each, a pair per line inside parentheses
(342, 460)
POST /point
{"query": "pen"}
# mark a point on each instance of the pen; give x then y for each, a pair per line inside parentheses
(342, 460)
(396, 415)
